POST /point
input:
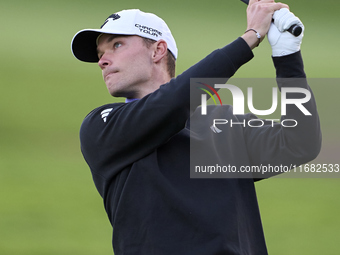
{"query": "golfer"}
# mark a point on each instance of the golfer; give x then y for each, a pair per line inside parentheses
(139, 151)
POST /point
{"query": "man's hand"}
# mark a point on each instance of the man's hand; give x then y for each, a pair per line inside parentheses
(282, 42)
(259, 17)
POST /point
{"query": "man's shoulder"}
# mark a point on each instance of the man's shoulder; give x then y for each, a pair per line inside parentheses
(99, 116)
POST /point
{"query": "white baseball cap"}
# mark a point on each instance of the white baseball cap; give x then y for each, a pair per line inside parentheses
(126, 22)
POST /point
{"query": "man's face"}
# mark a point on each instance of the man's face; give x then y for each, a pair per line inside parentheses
(126, 64)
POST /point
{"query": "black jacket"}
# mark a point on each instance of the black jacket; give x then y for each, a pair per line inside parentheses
(139, 154)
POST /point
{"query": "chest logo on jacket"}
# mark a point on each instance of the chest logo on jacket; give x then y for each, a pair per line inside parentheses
(105, 113)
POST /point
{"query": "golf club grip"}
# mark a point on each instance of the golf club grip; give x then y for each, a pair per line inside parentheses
(295, 30)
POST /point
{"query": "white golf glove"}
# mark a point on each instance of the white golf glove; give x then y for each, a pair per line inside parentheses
(284, 43)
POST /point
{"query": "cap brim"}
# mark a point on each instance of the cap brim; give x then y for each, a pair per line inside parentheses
(84, 46)
(84, 43)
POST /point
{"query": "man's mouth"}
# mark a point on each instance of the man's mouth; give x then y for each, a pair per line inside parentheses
(107, 75)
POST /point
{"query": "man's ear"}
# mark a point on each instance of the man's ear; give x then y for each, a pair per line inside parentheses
(160, 50)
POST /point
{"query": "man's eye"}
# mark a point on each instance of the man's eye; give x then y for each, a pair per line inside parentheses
(117, 45)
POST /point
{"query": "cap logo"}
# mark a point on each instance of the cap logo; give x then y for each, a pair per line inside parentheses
(113, 17)
(148, 30)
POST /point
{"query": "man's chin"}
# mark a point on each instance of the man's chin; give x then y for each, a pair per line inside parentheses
(111, 89)
(116, 93)
(119, 90)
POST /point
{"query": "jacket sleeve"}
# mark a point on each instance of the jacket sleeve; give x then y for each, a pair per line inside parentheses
(287, 146)
(133, 130)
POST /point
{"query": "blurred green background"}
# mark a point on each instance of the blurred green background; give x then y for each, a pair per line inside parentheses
(49, 204)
